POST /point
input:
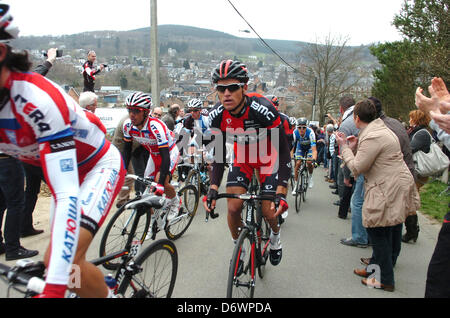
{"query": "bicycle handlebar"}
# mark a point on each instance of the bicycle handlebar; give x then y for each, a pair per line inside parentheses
(24, 273)
(244, 196)
(146, 181)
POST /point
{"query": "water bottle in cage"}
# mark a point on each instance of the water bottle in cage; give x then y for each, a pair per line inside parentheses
(111, 282)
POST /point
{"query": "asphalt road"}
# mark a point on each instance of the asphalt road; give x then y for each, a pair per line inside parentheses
(314, 264)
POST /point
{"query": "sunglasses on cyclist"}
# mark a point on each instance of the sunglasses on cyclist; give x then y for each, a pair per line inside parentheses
(301, 127)
(231, 87)
(135, 111)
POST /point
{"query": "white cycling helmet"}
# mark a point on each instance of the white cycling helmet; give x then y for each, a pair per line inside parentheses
(194, 103)
(8, 30)
(139, 99)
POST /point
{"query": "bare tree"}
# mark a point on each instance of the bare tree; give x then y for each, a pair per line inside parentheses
(335, 67)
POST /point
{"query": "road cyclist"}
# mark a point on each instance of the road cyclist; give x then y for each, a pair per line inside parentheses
(250, 120)
(43, 126)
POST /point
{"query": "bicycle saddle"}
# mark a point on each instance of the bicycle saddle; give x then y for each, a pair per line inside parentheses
(147, 201)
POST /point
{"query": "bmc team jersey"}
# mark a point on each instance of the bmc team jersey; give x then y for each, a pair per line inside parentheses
(304, 144)
(252, 131)
(42, 125)
(153, 136)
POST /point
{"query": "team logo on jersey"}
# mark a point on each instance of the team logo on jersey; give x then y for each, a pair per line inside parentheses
(264, 110)
(66, 165)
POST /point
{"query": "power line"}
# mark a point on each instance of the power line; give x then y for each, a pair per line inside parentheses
(262, 40)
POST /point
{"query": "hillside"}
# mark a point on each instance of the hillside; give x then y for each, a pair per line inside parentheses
(190, 42)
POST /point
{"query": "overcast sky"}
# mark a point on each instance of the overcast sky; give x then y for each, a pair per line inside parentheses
(363, 21)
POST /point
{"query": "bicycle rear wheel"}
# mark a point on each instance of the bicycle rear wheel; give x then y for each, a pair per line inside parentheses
(189, 199)
(157, 267)
(241, 275)
(119, 233)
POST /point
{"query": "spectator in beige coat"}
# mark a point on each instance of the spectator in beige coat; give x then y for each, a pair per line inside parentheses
(390, 192)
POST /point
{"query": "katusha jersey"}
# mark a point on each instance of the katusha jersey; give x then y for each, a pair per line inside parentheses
(42, 125)
(39, 111)
(152, 136)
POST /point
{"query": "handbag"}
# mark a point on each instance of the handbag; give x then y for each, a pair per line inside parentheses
(430, 163)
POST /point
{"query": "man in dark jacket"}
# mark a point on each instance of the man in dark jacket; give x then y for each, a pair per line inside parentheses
(89, 72)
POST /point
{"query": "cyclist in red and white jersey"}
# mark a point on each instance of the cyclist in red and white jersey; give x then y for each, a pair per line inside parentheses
(254, 124)
(42, 125)
(160, 142)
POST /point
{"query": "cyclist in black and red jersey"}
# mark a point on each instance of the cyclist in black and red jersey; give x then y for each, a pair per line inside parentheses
(255, 127)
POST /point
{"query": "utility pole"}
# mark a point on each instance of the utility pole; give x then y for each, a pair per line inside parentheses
(154, 53)
(314, 101)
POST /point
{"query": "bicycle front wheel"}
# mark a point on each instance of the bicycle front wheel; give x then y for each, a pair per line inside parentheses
(179, 225)
(193, 178)
(305, 182)
(241, 275)
(298, 194)
(157, 267)
(119, 233)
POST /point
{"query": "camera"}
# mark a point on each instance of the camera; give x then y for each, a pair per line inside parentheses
(59, 53)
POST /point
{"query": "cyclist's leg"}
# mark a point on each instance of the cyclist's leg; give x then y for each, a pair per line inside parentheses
(108, 177)
(238, 180)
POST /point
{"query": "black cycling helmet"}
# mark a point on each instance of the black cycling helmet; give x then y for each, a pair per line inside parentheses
(274, 100)
(302, 122)
(8, 30)
(230, 69)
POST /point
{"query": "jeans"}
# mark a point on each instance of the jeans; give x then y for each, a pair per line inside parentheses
(11, 198)
(386, 245)
(359, 232)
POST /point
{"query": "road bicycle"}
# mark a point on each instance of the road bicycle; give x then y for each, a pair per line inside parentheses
(141, 273)
(125, 226)
(301, 186)
(251, 250)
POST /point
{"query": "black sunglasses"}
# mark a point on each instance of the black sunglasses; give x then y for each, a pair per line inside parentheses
(301, 127)
(231, 87)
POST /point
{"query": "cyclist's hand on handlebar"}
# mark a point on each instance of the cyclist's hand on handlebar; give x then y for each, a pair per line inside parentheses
(158, 189)
(280, 204)
(209, 201)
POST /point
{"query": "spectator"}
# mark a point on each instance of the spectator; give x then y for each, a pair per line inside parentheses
(89, 72)
(390, 193)
(330, 151)
(421, 140)
(12, 199)
(88, 100)
(157, 112)
(170, 118)
(320, 137)
(344, 179)
(438, 106)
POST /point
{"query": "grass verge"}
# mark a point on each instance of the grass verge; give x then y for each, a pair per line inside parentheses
(434, 199)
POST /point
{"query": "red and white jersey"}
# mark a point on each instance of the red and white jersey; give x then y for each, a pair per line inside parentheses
(39, 111)
(154, 135)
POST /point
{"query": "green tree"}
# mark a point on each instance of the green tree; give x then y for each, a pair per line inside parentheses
(396, 80)
(427, 24)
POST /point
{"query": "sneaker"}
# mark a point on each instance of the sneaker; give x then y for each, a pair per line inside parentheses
(174, 208)
(349, 242)
(294, 192)
(311, 182)
(275, 249)
(20, 253)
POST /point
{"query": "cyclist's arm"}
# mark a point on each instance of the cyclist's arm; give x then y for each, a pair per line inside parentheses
(59, 164)
(165, 165)
(127, 152)
(284, 172)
